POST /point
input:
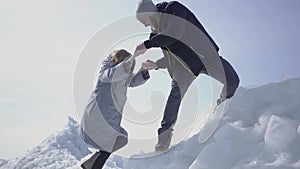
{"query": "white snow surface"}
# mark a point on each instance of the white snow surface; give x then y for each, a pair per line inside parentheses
(260, 129)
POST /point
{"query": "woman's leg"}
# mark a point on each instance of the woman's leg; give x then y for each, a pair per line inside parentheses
(96, 161)
(89, 162)
(100, 160)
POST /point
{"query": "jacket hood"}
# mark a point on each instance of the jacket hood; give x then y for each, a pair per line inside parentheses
(161, 6)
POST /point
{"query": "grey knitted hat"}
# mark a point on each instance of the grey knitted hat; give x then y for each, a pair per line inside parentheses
(146, 6)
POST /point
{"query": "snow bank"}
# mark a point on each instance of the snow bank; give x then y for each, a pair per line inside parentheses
(280, 133)
(2, 162)
(260, 130)
(59, 151)
(63, 150)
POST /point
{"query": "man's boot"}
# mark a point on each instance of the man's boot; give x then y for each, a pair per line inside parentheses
(164, 140)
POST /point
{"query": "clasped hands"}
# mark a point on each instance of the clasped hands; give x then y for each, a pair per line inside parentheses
(149, 64)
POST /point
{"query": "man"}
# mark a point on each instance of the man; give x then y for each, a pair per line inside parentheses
(188, 51)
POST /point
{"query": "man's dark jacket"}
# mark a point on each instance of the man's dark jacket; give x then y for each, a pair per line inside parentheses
(180, 49)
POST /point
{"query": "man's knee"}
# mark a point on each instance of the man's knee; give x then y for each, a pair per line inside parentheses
(232, 86)
(175, 94)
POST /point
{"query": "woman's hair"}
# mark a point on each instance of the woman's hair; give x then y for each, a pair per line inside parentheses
(120, 55)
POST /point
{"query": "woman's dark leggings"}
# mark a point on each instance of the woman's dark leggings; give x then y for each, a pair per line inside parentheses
(100, 160)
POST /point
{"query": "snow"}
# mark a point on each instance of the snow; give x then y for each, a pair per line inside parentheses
(59, 151)
(2, 162)
(280, 133)
(260, 129)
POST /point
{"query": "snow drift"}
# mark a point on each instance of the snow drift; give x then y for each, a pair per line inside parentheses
(260, 129)
(61, 150)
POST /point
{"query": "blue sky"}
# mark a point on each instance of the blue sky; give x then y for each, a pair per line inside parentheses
(41, 41)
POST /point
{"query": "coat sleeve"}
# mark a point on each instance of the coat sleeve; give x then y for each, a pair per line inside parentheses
(116, 73)
(175, 27)
(139, 78)
(163, 62)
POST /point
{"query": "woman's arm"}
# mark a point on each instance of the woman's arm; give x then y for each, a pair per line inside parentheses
(109, 73)
(139, 78)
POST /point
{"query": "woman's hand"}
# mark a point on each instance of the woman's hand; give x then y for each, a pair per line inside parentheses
(139, 50)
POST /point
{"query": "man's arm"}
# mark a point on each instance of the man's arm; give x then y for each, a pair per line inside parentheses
(161, 63)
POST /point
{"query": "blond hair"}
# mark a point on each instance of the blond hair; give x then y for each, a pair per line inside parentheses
(120, 55)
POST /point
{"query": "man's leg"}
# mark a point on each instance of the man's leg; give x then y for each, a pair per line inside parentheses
(171, 109)
(170, 116)
(225, 74)
(180, 84)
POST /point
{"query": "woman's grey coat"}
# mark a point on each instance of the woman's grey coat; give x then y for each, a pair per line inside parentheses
(100, 124)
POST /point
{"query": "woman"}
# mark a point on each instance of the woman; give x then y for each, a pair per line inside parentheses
(100, 124)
